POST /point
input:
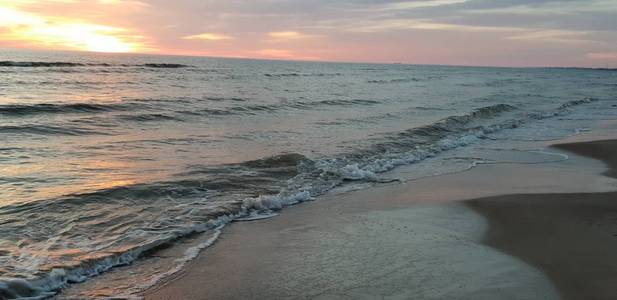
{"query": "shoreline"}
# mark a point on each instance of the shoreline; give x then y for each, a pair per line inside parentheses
(251, 255)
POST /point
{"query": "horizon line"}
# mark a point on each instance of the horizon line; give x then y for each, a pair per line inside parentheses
(300, 60)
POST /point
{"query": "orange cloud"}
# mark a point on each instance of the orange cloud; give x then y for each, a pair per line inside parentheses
(285, 34)
(288, 35)
(208, 37)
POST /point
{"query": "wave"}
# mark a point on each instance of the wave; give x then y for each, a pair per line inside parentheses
(34, 64)
(279, 75)
(40, 64)
(428, 108)
(148, 117)
(277, 161)
(271, 108)
(17, 110)
(235, 99)
(584, 69)
(48, 130)
(165, 66)
(578, 102)
(343, 102)
(397, 80)
(47, 108)
(207, 197)
(71, 82)
(421, 142)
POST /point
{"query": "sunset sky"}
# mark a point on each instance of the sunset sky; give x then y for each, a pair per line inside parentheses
(461, 32)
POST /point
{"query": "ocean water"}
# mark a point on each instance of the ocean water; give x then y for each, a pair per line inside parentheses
(105, 157)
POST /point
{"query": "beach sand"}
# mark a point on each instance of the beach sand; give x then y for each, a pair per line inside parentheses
(571, 237)
(552, 236)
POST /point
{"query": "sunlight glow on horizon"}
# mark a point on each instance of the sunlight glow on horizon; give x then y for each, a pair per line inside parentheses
(42, 32)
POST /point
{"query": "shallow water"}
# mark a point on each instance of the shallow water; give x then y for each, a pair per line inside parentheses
(103, 157)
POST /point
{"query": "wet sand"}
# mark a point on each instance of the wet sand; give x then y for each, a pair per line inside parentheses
(412, 242)
(571, 237)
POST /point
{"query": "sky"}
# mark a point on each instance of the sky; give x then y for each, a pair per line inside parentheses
(455, 32)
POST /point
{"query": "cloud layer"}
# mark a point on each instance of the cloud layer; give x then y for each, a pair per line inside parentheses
(463, 32)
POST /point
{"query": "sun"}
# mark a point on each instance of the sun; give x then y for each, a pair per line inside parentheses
(87, 37)
(107, 44)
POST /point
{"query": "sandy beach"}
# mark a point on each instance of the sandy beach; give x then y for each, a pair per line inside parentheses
(534, 232)
(570, 237)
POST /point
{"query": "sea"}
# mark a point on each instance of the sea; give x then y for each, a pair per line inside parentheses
(106, 159)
